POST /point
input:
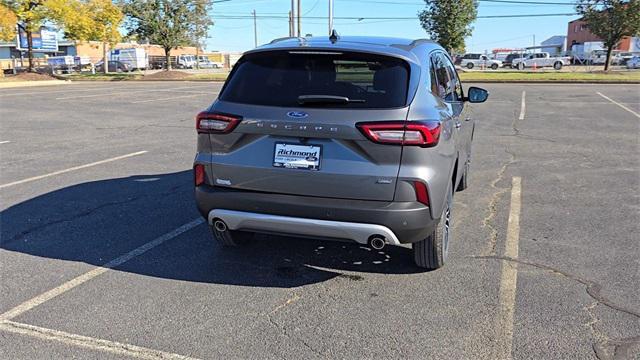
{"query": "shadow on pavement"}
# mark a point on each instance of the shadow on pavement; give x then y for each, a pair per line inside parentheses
(98, 221)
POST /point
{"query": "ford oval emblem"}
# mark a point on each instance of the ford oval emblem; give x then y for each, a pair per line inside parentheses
(297, 114)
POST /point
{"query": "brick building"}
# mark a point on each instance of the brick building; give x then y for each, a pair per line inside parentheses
(578, 34)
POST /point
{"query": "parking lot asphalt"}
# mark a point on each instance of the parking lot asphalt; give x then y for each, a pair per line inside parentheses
(103, 255)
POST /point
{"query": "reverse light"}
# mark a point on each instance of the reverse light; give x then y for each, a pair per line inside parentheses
(198, 174)
(212, 123)
(418, 133)
(422, 195)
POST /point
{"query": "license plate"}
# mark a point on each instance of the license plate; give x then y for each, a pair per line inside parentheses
(293, 156)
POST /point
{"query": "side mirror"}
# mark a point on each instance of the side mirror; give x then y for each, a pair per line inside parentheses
(477, 95)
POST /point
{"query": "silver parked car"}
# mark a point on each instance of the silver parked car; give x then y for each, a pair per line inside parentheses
(633, 63)
(362, 139)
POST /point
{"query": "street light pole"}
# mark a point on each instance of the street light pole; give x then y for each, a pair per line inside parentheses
(255, 29)
(330, 17)
(299, 13)
(292, 26)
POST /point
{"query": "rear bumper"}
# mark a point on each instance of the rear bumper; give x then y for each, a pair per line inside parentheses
(399, 222)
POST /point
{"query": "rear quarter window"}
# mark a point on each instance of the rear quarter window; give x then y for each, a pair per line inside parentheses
(278, 78)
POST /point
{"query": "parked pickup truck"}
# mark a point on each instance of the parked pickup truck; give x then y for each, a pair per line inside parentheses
(541, 59)
(482, 61)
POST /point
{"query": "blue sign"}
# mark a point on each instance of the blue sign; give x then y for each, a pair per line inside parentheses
(44, 40)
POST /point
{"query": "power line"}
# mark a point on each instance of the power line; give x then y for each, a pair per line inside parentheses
(362, 18)
(489, 1)
(528, 2)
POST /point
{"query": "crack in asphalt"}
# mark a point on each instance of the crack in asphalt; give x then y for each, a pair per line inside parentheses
(283, 330)
(85, 213)
(488, 222)
(621, 347)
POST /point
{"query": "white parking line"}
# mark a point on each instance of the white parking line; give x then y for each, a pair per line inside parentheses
(48, 295)
(168, 98)
(523, 106)
(617, 103)
(509, 277)
(54, 91)
(113, 347)
(4, 142)
(72, 169)
(130, 92)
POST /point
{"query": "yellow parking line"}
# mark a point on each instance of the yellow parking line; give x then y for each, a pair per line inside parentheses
(509, 277)
(50, 294)
(137, 352)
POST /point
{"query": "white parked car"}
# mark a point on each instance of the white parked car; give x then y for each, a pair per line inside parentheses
(622, 58)
(633, 63)
(479, 60)
(205, 64)
(542, 59)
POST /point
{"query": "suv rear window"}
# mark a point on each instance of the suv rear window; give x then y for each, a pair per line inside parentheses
(278, 78)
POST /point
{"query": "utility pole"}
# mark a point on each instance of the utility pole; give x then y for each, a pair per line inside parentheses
(534, 42)
(299, 13)
(290, 24)
(255, 29)
(330, 17)
(293, 18)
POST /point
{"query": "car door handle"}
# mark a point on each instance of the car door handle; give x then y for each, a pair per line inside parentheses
(467, 119)
(458, 124)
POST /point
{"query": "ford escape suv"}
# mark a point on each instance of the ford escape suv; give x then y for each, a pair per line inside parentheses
(352, 138)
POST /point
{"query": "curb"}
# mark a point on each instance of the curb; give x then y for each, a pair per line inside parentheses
(16, 84)
(144, 80)
(591, 82)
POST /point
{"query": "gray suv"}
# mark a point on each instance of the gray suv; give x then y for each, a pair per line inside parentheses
(360, 139)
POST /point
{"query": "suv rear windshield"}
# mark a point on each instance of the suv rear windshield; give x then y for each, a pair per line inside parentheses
(279, 78)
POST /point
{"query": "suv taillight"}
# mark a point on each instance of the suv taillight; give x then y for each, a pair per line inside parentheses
(198, 174)
(418, 133)
(212, 123)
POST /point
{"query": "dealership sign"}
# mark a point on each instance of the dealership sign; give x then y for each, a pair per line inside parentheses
(44, 40)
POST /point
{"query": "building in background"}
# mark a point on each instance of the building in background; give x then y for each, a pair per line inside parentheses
(11, 55)
(555, 45)
(582, 41)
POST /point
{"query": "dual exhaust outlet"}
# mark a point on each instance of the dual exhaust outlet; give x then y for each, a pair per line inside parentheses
(377, 242)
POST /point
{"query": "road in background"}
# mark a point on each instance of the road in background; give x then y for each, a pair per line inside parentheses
(568, 291)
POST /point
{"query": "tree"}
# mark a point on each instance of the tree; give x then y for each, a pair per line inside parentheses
(168, 23)
(8, 21)
(449, 21)
(31, 15)
(106, 18)
(611, 20)
(96, 20)
(202, 22)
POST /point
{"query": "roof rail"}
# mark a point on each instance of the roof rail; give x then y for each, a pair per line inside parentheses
(281, 39)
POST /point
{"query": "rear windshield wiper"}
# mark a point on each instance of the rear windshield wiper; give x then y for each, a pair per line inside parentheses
(326, 99)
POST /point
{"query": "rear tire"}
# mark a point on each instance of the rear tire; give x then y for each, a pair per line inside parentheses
(494, 66)
(231, 238)
(470, 66)
(431, 253)
(557, 65)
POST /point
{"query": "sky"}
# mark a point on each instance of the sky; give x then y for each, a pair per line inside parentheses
(233, 32)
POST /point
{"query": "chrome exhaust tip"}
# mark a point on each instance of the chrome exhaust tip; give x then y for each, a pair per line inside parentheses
(377, 242)
(220, 226)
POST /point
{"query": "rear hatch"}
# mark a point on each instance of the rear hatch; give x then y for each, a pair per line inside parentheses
(298, 133)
